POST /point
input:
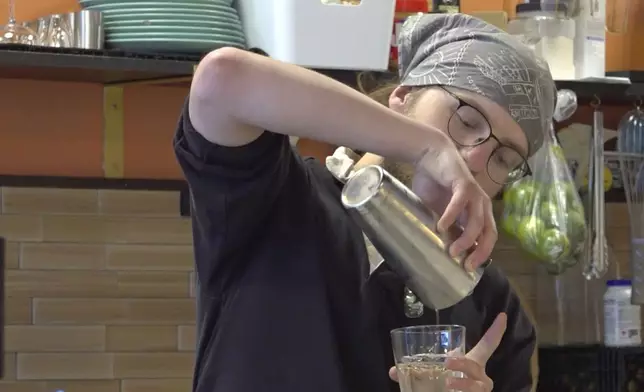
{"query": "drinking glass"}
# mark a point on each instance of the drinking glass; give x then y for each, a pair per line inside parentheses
(420, 353)
(15, 33)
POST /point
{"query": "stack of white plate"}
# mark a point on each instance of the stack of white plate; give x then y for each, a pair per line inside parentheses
(169, 26)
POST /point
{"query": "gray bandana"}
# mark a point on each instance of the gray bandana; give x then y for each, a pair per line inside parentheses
(464, 52)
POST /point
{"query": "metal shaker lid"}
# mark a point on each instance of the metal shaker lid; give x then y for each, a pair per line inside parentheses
(362, 186)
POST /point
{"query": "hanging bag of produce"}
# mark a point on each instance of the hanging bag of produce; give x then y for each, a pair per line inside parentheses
(544, 212)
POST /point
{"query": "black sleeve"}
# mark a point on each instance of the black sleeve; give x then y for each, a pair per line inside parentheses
(510, 366)
(232, 190)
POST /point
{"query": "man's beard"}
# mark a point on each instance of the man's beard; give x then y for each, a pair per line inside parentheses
(402, 171)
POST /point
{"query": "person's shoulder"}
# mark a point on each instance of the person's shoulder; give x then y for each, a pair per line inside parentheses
(322, 176)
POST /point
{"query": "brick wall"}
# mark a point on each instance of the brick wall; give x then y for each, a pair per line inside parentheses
(99, 295)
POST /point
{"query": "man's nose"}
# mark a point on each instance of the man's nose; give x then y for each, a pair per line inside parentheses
(477, 157)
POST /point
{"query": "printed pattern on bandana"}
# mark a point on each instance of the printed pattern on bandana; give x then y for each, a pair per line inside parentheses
(464, 52)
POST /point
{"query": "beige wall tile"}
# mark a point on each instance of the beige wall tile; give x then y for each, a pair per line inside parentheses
(21, 227)
(141, 338)
(112, 229)
(80, 311)
(12, 255)
(167, 231)
(193, 284)
(62, 256)
(161, 311)
(505, 242)
(31, 338)
(75, 228)
(17, 310)
(49, 201)
(144, 203)
(187, 338)
(619, 238)
(150, 257)
(153, 284)
(114, 311)
(83, 386)
(153, 365)
(10, 371)
(514, 262)
(617, 215)
(23, 386)
(37, 283)
(65, 366)
(621, 263)
(157, 385)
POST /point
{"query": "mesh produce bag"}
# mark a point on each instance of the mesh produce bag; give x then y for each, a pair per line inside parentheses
(544, 211)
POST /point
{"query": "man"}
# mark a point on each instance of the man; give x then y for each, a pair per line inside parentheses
(287, 301)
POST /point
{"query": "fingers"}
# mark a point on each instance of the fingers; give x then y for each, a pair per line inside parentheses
(486, 242)
(474, 226)
(475, 378)
(454, 208)
(482, 352)
(393, 374)
(480, 226)
(469, 367)
(469, 385)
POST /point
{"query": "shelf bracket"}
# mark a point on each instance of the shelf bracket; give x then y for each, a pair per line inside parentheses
(113, 132)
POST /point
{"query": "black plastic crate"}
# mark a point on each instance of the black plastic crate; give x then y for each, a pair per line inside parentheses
(626, 366)
(591, 368)
(570, 369)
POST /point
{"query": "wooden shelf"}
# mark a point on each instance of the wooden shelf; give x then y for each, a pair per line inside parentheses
(116, 67)
(90, 66)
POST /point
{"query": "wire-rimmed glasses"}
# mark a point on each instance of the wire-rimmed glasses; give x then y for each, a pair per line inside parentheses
(468, 127)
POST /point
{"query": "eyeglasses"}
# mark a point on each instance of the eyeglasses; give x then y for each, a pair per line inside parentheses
(468, 127)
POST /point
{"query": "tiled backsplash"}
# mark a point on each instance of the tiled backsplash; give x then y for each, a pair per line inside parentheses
(99, 295)
(98, 291)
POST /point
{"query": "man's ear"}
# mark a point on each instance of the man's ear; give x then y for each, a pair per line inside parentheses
(399, 98)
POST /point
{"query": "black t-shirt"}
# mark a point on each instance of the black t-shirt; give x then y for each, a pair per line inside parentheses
(286, 301)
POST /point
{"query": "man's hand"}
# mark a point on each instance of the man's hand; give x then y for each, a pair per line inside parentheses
(443, 182)
(473, 363)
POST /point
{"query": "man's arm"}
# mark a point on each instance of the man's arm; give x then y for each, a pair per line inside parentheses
(236, 95)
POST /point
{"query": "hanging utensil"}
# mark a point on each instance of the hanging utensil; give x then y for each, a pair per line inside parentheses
(630, 144)
(566, 105)
(600, 246)
(631, 131)
(590, 215)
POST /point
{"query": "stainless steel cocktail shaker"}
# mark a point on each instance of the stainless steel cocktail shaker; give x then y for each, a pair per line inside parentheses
(404, 231)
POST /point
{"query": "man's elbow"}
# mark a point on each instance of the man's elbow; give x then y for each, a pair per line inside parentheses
(215, 76)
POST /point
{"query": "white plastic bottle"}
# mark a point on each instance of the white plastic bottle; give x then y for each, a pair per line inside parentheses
(622, 324)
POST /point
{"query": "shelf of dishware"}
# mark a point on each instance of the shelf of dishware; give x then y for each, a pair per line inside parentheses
(616, 88)
(108, 66)
(90, 66)
(606, 90)
(161, 41)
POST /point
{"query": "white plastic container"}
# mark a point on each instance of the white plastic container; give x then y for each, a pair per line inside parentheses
(622, 320)
(590, 40)
(313, 34)
(547, 30)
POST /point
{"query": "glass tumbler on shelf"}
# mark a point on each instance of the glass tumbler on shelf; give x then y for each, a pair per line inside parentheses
(16, 33)
(420, 353)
